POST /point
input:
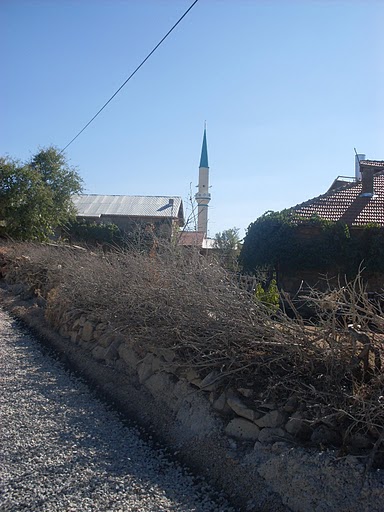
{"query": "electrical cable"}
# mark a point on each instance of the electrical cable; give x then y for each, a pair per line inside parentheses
(131, 75)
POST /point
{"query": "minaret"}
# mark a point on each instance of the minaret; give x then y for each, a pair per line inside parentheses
(203, 196)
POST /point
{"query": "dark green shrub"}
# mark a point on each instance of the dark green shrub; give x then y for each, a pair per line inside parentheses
(93, 233)
(283, 240)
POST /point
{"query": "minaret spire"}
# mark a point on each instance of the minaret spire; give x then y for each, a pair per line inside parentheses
(203, 196)
(204, 150)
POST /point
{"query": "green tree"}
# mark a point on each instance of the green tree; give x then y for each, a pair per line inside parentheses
(35, 197)
(227, 244)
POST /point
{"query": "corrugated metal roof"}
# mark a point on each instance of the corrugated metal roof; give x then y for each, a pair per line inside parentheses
(93, 205)
(347, 205)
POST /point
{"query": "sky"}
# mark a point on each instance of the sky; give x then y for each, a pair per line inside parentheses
(287, 88)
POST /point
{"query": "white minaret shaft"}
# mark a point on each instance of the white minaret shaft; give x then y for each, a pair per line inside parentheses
(203, 196)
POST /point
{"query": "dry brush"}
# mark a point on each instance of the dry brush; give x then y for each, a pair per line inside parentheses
(186, 302)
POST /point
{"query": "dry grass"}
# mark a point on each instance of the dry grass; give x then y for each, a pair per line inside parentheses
(189, 304)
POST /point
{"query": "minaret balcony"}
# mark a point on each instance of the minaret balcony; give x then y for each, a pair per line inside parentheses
(203, 195)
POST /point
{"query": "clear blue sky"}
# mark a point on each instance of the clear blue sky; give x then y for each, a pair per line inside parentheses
(288, 89)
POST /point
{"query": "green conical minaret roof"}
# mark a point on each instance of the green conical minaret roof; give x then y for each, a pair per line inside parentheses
(204, 151)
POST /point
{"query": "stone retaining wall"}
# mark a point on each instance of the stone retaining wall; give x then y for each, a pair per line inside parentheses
(256, 453)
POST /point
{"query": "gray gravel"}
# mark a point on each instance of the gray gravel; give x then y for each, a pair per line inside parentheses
(64, 450)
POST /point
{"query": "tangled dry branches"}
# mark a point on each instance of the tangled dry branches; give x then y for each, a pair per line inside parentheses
(188, 303)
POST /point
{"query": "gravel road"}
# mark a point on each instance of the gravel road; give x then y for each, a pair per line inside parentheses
(64, 450)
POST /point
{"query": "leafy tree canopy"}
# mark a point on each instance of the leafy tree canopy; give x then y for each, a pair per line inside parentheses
(35, 197)
(228, 240)
(227, 243)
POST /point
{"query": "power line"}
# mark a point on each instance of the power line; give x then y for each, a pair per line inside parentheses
(131, 75)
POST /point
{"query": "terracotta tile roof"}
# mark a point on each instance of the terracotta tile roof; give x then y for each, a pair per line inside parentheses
(191, 238)
(196, 239)
(341, 181)
(345, 204)
(373, 163)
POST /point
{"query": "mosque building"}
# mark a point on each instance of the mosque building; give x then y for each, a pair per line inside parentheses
(165, 214)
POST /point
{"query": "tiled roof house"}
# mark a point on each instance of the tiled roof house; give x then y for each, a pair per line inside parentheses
(356, 203)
